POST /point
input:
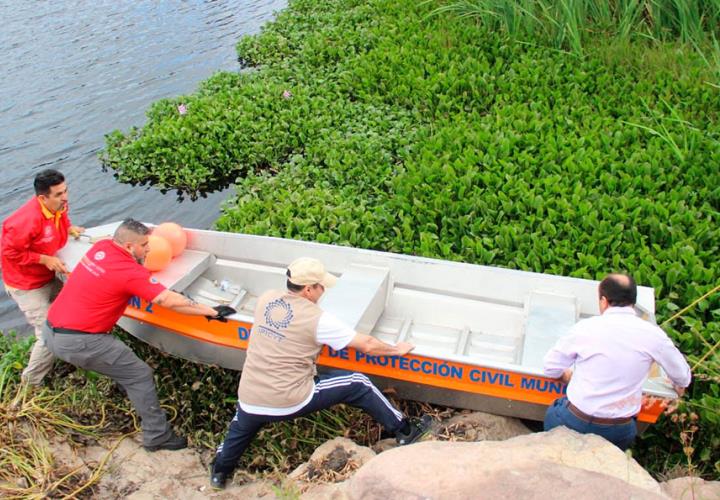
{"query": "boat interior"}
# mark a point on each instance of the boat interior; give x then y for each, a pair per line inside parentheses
(487, 316)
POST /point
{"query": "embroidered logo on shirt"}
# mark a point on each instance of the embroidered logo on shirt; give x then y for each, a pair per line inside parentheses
(99, 255)
(48, 235)
(271, 334)
(278, 314)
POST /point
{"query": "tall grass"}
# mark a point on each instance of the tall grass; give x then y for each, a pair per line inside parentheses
(566, 24)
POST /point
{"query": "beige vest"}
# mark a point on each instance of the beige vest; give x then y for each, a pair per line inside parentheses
(280, 363)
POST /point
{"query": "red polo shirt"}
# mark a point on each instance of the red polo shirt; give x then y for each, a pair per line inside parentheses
(99, 288)
(32, 230)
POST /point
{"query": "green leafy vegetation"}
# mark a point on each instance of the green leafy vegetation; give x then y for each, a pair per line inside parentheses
(387, 125)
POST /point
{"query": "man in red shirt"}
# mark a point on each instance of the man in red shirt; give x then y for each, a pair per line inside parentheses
(30, 238)
(93, 299)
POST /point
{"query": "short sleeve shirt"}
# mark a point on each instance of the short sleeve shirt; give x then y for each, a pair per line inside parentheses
(99, 288)
(333, 332)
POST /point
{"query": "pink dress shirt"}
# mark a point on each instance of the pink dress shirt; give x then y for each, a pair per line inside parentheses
(612, 354)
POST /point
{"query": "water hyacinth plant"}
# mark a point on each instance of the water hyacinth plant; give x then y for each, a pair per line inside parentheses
(420, 132)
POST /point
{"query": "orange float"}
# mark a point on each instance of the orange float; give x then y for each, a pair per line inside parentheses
(174, 234)
(159, 254)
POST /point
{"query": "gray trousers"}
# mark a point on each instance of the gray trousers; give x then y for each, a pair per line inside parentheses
(109, 356)
(35, 304)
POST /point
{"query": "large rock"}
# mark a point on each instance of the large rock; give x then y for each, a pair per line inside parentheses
(479, 426)
(691, 488)
(473, 426)
(561, 463)
(539, 482)
(135, 474)
(331, 491)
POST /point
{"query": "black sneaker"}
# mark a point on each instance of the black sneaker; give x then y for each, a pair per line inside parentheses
(417, 429)
(174, 442)
(218, 480)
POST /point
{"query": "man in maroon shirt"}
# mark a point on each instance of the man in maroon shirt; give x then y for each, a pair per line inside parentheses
(30, 238)
(93, 299)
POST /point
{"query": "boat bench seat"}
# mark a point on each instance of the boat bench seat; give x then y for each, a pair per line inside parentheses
(184, 269)
(548, 316)
(359, 297)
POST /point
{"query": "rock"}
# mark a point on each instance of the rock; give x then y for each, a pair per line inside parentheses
(539, 482)
(331, 491)
(134, 473)
(22, 483)
(333, 455)
(384, 445)
(479, 426)
(691, 488)
(475, 426)
(568, 464)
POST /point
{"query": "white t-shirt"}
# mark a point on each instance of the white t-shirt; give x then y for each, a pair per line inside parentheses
(331, 331)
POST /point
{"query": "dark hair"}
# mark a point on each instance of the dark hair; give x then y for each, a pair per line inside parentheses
(293, 287)
(46, 180)
(619, 289)
(128, 229)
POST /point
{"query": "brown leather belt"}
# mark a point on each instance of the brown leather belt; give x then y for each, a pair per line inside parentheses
(596, 420)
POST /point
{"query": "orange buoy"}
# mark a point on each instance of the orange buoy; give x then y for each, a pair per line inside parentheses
(160, 253)
(174, 234)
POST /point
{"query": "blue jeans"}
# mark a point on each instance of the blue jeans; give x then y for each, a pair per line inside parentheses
(621, 435)
(331, 388)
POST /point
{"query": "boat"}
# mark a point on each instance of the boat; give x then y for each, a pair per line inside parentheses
(480, 332)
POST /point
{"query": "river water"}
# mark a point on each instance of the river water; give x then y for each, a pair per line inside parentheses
(75, 70)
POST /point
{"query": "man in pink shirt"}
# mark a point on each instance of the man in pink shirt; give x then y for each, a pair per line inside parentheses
(31, 236)
(606, 360)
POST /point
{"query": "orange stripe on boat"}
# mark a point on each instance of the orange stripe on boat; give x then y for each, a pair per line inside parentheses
(503, 384)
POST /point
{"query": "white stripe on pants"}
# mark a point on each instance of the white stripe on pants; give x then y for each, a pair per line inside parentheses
(357, 377)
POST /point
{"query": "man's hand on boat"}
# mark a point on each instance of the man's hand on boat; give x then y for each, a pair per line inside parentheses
(672, 404)
(666, 404)
(375, 347)
(222, 313)
(53, 263)
(76, 231)
(566, 376)
(186, 305)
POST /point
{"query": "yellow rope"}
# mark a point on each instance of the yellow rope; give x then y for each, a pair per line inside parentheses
(705, 356)
(99, 470)
(685, 309)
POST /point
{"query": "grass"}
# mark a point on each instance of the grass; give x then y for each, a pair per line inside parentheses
(83, 407)
(568, 24)
(32, 419)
